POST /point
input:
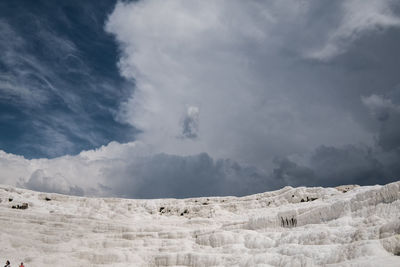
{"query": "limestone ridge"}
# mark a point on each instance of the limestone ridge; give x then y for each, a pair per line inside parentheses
(347, 225)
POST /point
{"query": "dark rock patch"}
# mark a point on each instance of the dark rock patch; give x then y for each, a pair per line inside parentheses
(289, 222)
(24, 206)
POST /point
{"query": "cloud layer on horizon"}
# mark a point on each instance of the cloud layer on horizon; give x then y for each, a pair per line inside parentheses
(132, 170)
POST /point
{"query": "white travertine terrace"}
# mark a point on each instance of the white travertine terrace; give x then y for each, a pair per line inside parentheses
(348, 226)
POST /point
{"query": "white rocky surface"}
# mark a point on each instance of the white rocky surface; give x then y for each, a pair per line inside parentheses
(348, 226)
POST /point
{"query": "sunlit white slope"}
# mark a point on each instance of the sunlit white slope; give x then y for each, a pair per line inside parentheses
(347, 226)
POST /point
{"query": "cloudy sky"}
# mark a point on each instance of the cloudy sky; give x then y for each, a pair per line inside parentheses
(181, 98)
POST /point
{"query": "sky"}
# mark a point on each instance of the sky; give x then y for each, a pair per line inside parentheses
(185, 98)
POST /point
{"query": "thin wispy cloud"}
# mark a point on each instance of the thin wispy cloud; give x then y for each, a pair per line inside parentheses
(50, 86)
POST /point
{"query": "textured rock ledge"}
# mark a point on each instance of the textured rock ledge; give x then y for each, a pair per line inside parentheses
(343, 226)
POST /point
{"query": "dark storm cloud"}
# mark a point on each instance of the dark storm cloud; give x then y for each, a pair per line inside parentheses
(349, 164)
(290, 173)
(284, 77)
(165, 175)
(389, 134)
(386, 112)
(130, 170)
(190, 124)
(333, 166)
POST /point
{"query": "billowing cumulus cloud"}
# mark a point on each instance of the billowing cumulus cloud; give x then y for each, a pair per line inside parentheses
(56, 183)
(246, 66)
(132, 170)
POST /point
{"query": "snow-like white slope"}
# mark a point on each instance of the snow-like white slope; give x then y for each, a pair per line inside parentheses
(348, 226)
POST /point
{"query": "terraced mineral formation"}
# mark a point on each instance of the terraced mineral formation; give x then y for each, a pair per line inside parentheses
(344, 226)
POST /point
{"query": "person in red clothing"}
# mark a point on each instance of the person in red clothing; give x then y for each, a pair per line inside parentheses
(22, 265)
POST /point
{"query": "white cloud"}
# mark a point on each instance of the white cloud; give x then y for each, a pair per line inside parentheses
(133, 170)
(67, 173)
(378, 103)
(357, 18)
(56, 183)
(28, 79)
(380, 107)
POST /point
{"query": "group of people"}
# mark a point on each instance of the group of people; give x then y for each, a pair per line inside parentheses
(8, 264)
(288, 223)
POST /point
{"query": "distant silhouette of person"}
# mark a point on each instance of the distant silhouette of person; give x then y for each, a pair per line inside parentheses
(22, 265)
(7, 264)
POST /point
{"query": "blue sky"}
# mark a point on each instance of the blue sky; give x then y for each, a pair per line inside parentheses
(61, 85)
(180, 98)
